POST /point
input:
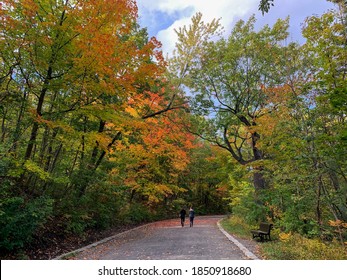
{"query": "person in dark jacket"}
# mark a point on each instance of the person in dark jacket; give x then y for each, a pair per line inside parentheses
(183, 216)
(191, 216)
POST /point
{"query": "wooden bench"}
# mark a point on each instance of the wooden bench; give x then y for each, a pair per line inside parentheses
(263, 232)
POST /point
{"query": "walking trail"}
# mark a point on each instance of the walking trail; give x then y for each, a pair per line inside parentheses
(167, 240)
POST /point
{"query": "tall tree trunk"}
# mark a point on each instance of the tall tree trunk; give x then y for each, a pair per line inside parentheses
(44, 145)
(3, 128)
(46, 83)
(74, 162)
(318, 204)
(85, 119)
(47, 141)
(55, 158)
(258, 178)
(48, 166)
(35, 128)
(118, 136)
(16, 134)
(96, 147)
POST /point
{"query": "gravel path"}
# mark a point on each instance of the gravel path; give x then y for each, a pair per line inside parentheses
(167, 240)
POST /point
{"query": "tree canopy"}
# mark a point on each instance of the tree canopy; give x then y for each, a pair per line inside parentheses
(278, 108)
(97, 129)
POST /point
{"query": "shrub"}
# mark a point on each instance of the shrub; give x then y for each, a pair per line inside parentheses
(135, 213)
(296, 247)
(19, 220)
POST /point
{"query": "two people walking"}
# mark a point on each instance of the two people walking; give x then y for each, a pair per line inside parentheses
(191, 216)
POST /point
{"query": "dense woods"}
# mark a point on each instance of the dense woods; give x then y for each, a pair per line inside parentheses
(98, 129)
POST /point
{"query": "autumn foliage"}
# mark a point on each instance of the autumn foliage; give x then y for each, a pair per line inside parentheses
(279, 109)
(98, 130)
(84, 139)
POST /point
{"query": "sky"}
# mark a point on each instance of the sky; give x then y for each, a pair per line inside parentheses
(161, 17)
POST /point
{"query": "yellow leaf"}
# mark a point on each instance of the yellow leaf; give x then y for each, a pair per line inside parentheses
(336, 223)
(285, 236)
(131, 111)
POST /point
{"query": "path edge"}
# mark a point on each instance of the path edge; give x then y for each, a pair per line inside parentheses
(247, 252)
(71, 253)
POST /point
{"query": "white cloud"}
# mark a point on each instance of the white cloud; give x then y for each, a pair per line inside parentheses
(168, 36)
(183, 10)
(163, 16)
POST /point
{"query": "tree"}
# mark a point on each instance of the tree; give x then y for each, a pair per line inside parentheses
(72, 67)
(206, 179)
(303, 135)
(151, 158)
(229, 79)
(76, 79)
(265, 5)
(326, 43)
